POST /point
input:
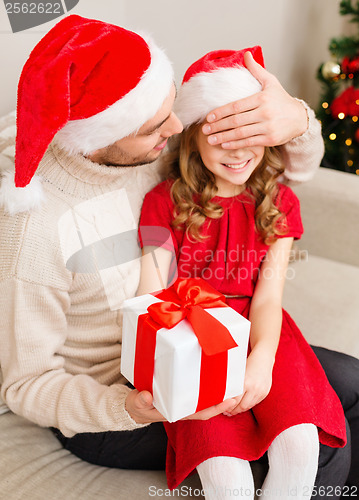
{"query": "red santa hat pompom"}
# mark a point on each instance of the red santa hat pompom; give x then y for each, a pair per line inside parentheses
(214, 80)
(89, 83)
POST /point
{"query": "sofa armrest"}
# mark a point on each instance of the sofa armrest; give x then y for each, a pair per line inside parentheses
(330, 212)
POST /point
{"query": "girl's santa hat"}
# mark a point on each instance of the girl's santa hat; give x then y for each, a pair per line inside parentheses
(89, 83)
(214, 80)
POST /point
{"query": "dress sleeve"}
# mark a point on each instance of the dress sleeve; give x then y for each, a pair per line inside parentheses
(289, 205)
(155, 227)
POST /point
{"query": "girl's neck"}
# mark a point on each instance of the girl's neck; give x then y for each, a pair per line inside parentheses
(230, 191)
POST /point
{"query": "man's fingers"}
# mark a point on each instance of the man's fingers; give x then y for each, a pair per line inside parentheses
(155, 416)
(144, 400)
(234, 108)
(255, 68)
(232, 122)
(237, 134)
(261, 74)
(140, 407)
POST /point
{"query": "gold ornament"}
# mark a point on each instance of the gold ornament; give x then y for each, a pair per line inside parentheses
(331, 70)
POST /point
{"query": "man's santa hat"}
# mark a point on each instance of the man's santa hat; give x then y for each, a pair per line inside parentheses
(216, 79)
(89, 83)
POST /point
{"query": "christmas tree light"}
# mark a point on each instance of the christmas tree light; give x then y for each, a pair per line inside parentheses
(338, 109)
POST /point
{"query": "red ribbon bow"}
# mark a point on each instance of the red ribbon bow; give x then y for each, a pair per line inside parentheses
(188, 298)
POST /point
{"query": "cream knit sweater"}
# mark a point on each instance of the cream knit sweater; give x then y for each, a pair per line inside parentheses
(60, 323)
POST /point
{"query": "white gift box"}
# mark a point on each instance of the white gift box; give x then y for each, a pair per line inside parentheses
(177, 366)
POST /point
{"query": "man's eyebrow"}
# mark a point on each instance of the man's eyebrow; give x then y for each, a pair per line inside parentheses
(155, 127)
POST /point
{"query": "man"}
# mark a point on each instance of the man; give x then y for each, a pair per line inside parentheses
(94, 113)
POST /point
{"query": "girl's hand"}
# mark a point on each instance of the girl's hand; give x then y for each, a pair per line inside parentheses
(139, 406)
(225, 407)
(257, 382)
(269, 118)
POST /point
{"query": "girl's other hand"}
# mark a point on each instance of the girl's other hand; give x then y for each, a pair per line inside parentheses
(225, 407)
(139, 406)
(257, 382)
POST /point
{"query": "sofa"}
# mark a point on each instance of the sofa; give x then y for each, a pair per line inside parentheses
(320, 294)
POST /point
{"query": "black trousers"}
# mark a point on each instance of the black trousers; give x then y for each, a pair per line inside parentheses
(145, 448)
(343, 374)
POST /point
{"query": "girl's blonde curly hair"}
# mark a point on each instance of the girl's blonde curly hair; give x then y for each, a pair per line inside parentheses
(194, 187)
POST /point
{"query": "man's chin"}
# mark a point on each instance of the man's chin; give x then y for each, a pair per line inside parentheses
(136, 163)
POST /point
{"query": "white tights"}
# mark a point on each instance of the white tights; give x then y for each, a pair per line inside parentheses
(293, 464)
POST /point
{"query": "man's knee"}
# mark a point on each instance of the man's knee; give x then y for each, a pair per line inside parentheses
(334, 464)
(343, 374)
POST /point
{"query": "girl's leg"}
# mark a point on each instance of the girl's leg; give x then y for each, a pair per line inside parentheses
(226, 477)
(293, 464)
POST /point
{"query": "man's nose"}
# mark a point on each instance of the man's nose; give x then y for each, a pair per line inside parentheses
(173, 126)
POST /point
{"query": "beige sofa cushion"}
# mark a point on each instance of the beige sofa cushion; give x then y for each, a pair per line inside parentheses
(322, 299)
(330, 208)
(34, 466)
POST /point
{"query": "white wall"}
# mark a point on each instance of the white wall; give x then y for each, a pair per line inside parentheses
(294, 35)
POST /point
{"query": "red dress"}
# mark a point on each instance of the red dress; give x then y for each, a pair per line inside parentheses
(230, 260)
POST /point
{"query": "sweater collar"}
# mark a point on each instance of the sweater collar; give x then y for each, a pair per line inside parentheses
(79, 167)
(73, 175)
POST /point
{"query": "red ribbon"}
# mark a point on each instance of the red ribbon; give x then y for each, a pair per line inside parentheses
(187, 298)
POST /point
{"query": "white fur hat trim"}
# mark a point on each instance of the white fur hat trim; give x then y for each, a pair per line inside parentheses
(209, 90)
(15, 199)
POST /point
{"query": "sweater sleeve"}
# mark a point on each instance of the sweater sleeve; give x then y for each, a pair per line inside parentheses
(36, 347)
(35, 383)
(302, 155)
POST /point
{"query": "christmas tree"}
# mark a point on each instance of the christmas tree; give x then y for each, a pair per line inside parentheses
(339, 104)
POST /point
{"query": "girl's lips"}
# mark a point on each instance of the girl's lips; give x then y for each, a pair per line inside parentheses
(161, 145)
(237, 167)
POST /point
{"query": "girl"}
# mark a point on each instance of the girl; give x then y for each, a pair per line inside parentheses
(232, 223)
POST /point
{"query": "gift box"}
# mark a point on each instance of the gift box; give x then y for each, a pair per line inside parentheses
(185, 346)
